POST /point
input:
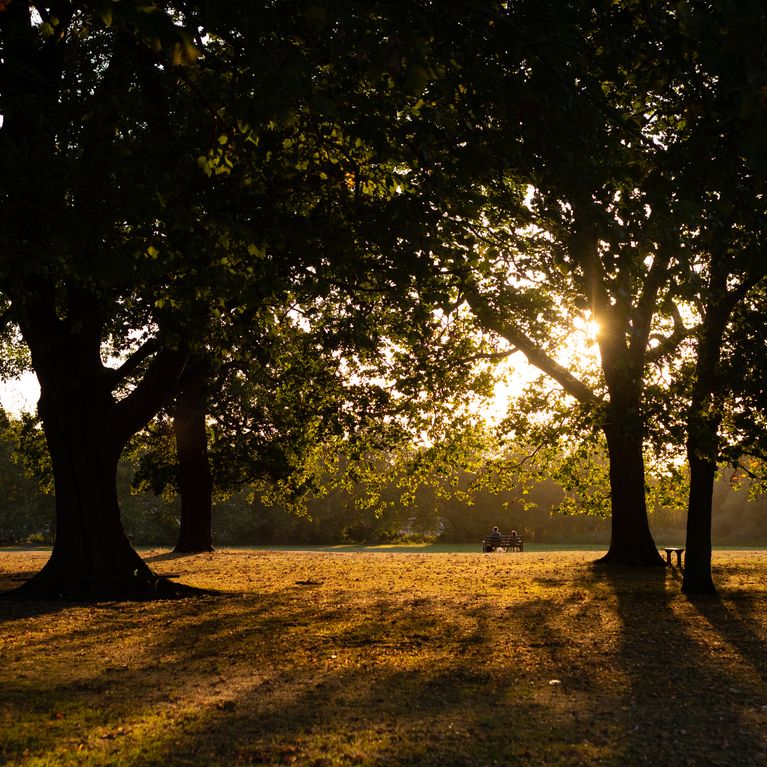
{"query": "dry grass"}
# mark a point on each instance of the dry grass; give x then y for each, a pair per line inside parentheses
(392, 659)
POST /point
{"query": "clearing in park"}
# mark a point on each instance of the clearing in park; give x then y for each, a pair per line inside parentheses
(324, 658)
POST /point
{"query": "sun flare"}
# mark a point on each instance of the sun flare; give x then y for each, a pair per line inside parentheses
(588, 326)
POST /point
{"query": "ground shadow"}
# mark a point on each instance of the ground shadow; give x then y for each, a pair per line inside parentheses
(171, 555)
(734, 617)
(680, 699)
(316, 673)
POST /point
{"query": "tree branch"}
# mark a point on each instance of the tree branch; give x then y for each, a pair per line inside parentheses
(156, 387)
(490, 320)
(669, 343)
(121, 374)
(645, 308)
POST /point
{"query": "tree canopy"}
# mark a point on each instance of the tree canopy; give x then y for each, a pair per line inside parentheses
(371, 193)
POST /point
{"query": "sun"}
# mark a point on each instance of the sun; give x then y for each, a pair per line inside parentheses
(588, 326)
(579, 353)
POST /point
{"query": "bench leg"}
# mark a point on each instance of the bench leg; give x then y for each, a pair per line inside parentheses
(678, 553)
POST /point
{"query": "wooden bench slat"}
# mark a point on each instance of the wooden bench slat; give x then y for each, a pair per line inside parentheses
(505, 542)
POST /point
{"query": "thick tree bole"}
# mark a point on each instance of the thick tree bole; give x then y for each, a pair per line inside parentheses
(86, 430)
(631, 542)
(194, 477)
(697, 567)
(703, 441)
(631, 539)
(92, 556)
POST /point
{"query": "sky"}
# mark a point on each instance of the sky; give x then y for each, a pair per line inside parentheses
(20, 394)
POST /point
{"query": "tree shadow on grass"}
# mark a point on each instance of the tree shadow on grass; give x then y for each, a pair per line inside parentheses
(324, 675)
(682, 702)
(738, 620)
(14, 609)
(128, 588)
(34, 586)
(418, 716)
(273, 679)
(480, 701)
(377, 692)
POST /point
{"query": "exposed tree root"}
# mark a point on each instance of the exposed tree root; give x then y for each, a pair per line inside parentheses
(644, 558)
(192, 549)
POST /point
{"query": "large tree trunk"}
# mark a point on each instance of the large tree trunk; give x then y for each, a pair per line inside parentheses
(631, 542)
(697, 568)
(194, 477)
(624, 329)
(703, 421)
(92, 557)
(86, 430)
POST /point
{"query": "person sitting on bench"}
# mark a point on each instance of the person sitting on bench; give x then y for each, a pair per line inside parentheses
(495, 539)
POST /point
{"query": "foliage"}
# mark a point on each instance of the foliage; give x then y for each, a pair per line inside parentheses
(349, 210)
(186, 199)
(515, 492)
(26, 512)
(743, 367)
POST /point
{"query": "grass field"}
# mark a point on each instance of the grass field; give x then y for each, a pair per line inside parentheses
(344, 658)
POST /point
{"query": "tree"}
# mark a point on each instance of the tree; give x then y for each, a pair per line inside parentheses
(194, 475)
(125, 220)
(156, 187)
(554, 205)
(720, 180)
(705, 415)
(73, 242)
(307, 382)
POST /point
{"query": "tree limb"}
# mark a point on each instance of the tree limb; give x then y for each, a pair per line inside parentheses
(489, 319)
(669, 343)
(156, 387)
(120, 375)
(645, 308)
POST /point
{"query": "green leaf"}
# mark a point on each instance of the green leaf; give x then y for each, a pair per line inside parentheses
(104, 9)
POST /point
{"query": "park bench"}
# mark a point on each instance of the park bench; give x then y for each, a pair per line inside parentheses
(678, 550)
(504, 543)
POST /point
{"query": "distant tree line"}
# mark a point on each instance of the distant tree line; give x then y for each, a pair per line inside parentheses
(435, 510)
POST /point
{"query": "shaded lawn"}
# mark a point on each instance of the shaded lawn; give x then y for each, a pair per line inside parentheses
(390, 659)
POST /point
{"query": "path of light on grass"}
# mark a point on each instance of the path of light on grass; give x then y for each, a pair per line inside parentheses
(337, 658)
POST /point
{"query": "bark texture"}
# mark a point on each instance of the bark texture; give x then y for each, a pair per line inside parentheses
(86, 429)
(194, 476)
(631, 542)
(703, 422)
(697, 577)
